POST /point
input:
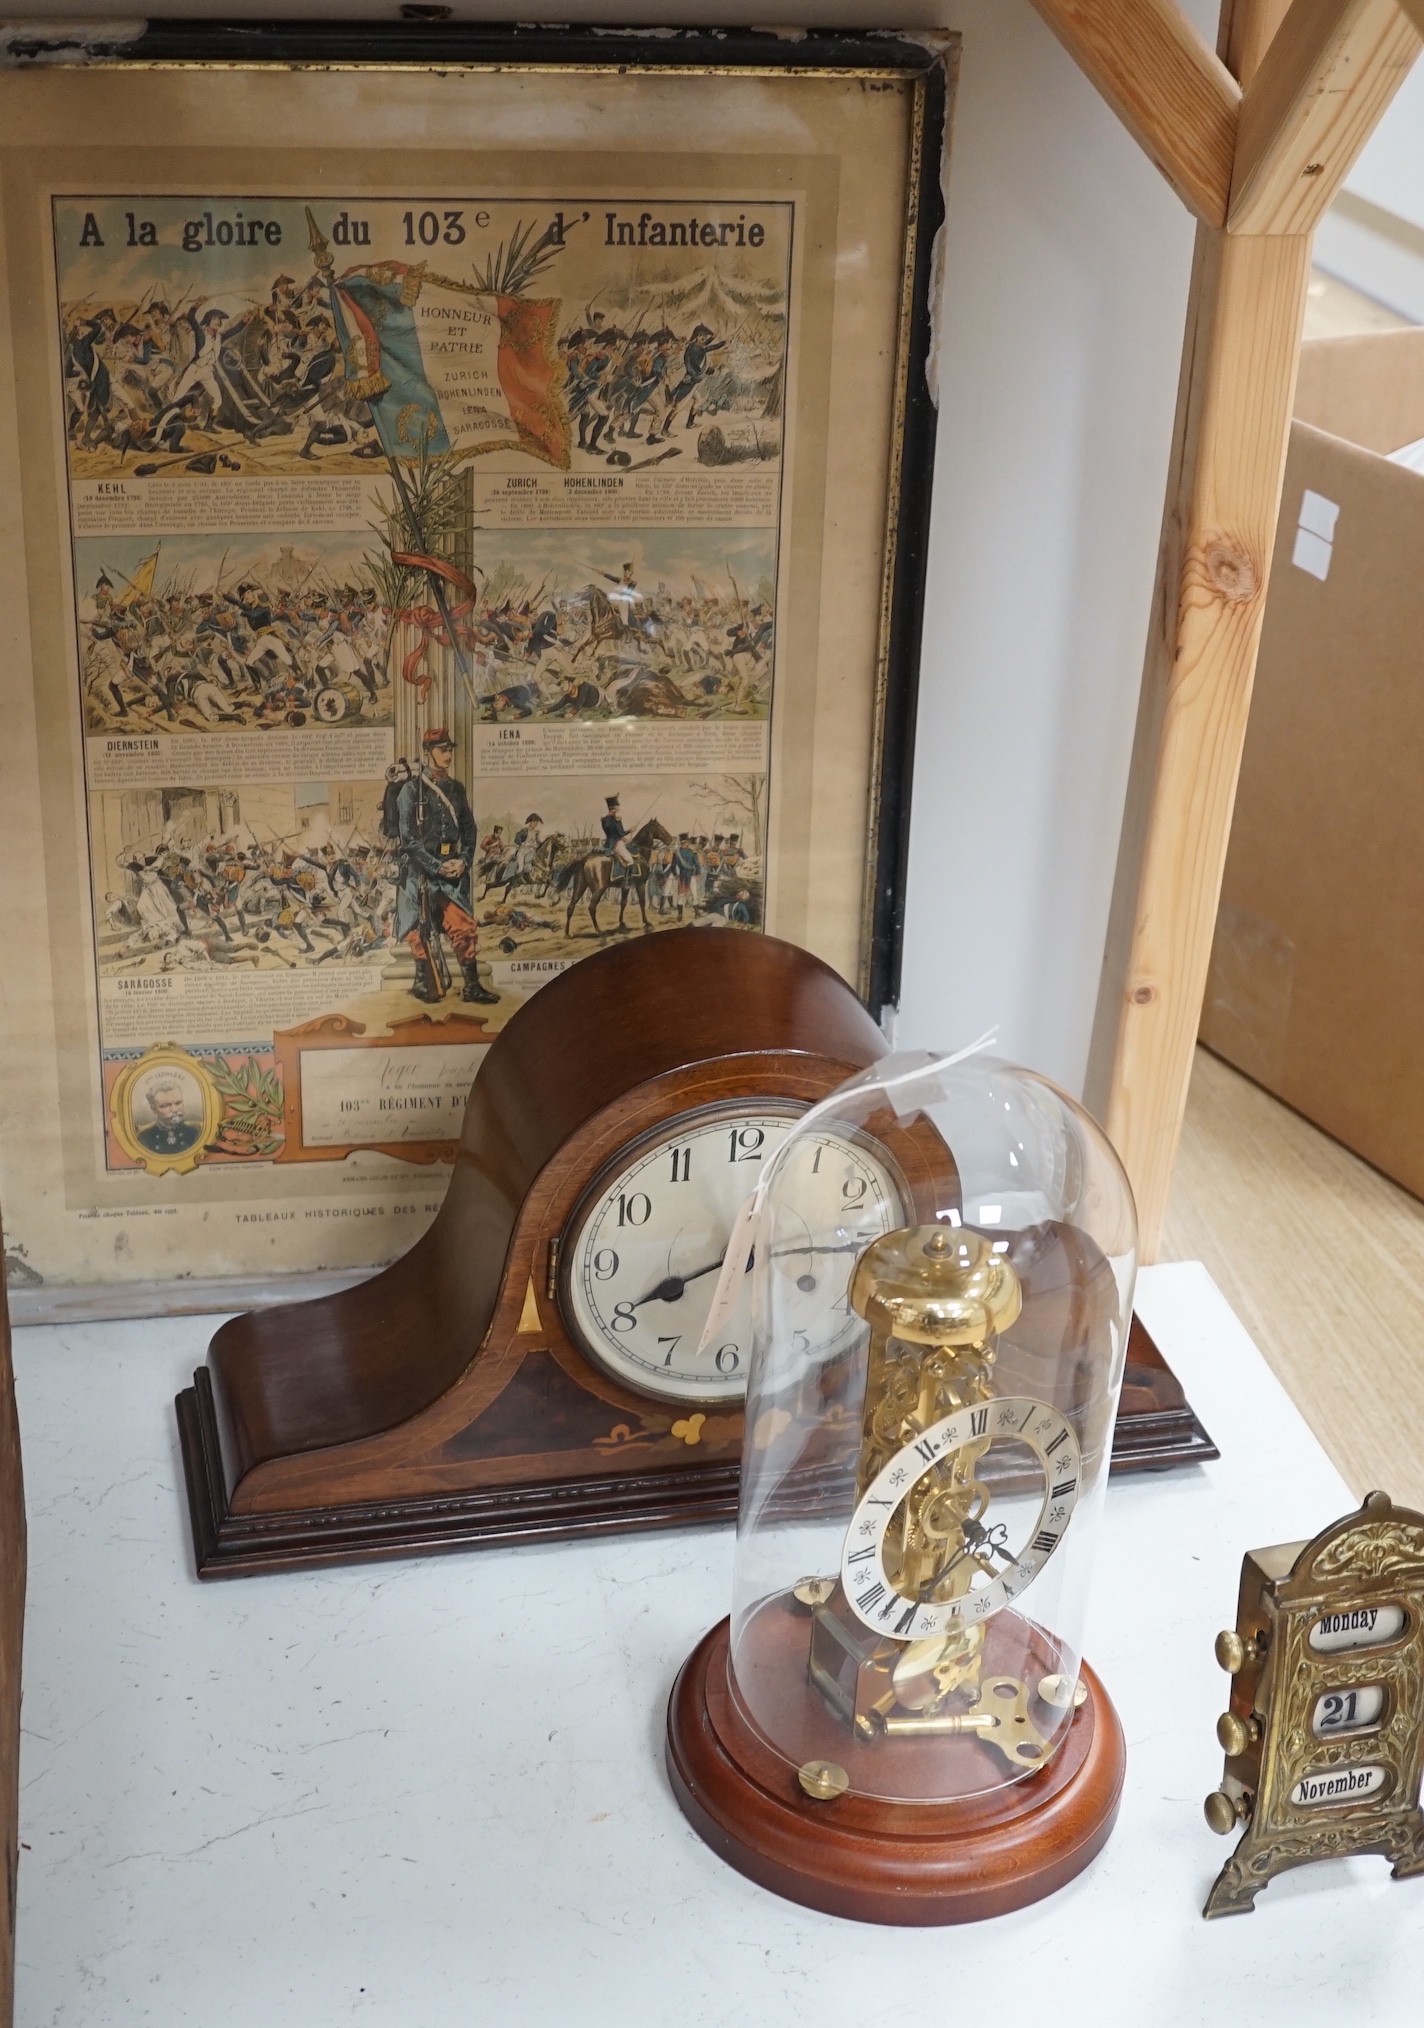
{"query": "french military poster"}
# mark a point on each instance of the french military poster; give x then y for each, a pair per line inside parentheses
(426, 558)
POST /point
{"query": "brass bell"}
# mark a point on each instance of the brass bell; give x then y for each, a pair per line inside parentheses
(935, 1285)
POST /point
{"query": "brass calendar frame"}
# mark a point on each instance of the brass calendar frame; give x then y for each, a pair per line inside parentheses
(1317, 1623)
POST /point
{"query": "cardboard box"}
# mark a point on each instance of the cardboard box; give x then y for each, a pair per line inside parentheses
(1316, 987)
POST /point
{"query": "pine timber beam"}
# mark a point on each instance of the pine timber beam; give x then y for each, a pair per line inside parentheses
(1245, 34)
(1219, 526)
(1233, 418)
(1195, 688)
(1330, 71)
(1172, 93)
(1314, 78)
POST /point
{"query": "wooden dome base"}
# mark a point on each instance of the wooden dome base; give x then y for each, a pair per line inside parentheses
(906, 1863)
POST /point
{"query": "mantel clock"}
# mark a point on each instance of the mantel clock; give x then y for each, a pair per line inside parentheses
(537, 1364)
(532, 1366)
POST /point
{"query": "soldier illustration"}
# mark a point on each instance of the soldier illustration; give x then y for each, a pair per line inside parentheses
(696, 365)
(629, 602)
(171, 1133)
(437, 849)
(527, 840)
(543, 634)
(625, 593)
(397, 775)
(686, 867)
(590, 355)
(87, 351)
(577, 695)
(615, 834)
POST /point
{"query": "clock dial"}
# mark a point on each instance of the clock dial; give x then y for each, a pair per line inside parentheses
(642, 1257)
(983, 1565)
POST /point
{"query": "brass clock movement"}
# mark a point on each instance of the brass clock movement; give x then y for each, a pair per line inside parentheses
(897, 1645)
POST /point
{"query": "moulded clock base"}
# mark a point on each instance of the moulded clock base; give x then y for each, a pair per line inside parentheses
(904, 1863)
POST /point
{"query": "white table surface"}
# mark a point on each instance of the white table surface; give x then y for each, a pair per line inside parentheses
(431, 1793)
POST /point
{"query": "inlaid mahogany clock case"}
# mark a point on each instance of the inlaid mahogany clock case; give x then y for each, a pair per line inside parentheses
(444, 1403)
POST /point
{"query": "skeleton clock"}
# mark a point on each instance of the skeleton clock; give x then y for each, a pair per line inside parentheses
(896, 1722)
(532, 1366)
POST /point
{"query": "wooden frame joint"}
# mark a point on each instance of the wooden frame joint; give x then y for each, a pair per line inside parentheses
(1170, 90)
(1330, 71)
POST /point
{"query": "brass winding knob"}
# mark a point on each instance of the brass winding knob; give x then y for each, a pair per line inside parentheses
(1237, 1734)
(1233, 1653)
(1223, 1812)
(823, 1780)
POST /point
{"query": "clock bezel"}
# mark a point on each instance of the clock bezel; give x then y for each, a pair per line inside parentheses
(628, 1155)
(950, 1434)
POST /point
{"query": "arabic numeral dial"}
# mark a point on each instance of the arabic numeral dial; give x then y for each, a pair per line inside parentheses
(642, 1255)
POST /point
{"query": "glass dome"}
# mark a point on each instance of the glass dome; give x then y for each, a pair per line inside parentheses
(943, 1264)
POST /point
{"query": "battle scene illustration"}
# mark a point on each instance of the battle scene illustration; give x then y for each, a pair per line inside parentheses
(212, 337)
(198, 634)
(406, 876)
(452, 532)
(275, 875)
(631, 379)
(580, 624)
(647, 853)
(205, 634)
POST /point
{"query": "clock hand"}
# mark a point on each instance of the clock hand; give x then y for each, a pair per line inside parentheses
(854, 1246)
(994, 1541)
(944, 1569)
(807, 1283)
(672, 1288)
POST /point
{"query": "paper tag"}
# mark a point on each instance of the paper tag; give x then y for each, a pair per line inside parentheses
(742, 1238)
(909, 1091)
(740, 1242)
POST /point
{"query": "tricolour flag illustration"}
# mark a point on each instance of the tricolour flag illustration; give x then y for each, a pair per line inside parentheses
(374, 310)
(442, 363)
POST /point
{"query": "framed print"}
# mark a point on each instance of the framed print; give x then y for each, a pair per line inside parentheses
(465, 503)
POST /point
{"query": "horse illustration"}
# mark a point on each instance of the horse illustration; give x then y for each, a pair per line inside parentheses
(608, 621)
(589, 877)
(505, 873)
(648, 693)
